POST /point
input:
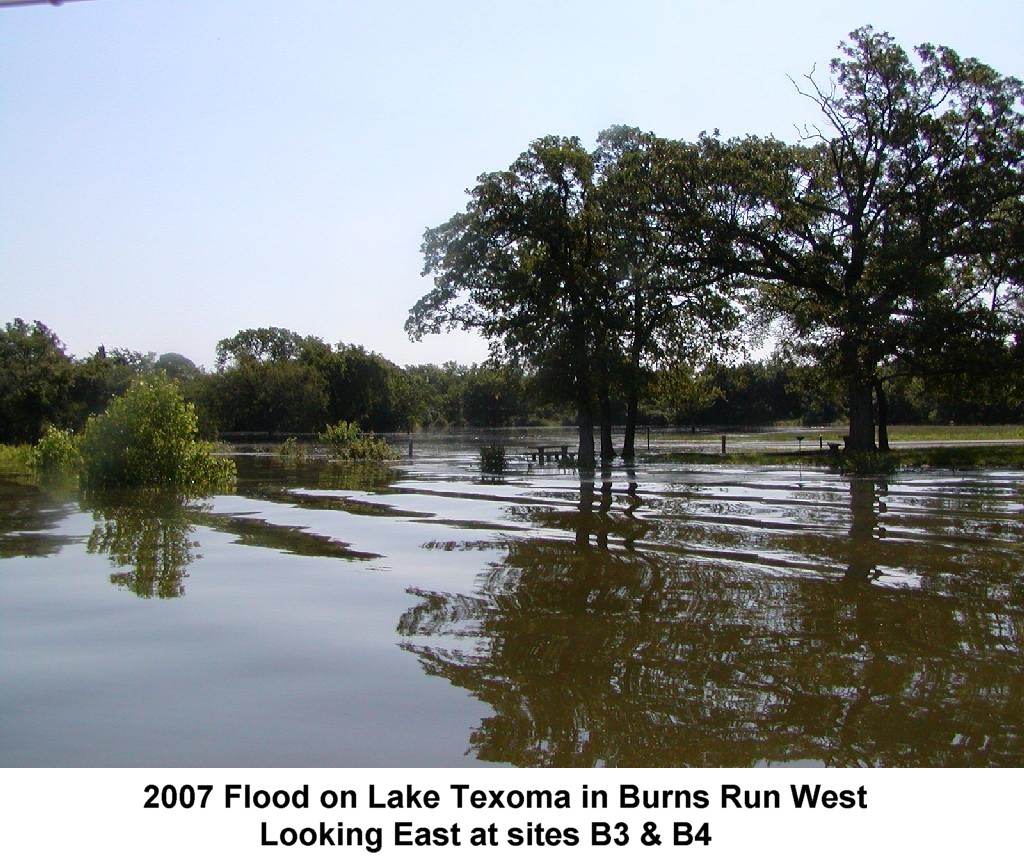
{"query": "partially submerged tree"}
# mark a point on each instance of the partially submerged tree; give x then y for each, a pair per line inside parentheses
(669, 292)
(865, 230)
(147, 438)
(572, 265)
(522, 265)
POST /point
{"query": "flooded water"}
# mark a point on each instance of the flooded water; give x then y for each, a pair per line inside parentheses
(424, 615)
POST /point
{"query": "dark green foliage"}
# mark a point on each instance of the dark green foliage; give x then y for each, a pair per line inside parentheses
(35, 381)
(102, 376)
(492, 459)
(282, 396)
(564, 263)
(259, 346)
(177, 367)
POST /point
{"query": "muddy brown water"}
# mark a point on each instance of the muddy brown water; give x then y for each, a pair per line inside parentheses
(424, 615)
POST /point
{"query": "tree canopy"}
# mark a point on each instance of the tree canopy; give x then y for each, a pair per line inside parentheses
(569, 264)
(888, 229)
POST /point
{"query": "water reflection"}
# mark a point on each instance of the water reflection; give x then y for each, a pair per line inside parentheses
(609, 649)
(148, 535)
(29, 517)
(259, 473)
(655, 615)
(865, 548)
(152, 537)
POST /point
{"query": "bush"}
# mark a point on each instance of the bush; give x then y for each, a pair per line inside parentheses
(492, 459)
(347, 442)
(292, 451)
(15, 459)
(338, 437)
(147, 437)
(56, 455)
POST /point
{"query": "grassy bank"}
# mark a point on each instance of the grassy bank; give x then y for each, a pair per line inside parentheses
(15, 460)
(897, 433)
(948, 457)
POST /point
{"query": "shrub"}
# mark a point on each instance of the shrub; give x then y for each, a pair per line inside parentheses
(347, 442)
(293, 451)
(147, 437)
(492, 459)
(56, 455)
(15, 459)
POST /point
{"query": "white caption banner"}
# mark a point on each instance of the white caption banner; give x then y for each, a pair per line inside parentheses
(935, 817)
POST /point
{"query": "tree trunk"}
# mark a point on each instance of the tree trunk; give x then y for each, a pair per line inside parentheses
(607, 447)
(585, 455)
(629, 439)
(862, 421)
(883, 416)
(583, 375)
(859, 391)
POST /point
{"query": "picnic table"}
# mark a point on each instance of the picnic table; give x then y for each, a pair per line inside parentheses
(542, 452)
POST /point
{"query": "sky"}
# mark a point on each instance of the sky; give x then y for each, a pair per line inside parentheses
(173, 171)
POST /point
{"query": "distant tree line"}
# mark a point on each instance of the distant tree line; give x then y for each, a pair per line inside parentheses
(274, 381)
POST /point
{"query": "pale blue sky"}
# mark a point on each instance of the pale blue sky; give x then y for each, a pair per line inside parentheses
(172, 171)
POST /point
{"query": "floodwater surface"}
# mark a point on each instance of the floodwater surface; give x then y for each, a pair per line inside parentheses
(422, 614)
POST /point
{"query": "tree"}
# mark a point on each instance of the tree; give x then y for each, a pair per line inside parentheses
(682, 392)
(35, 381)
(522, 265)
(177, 366)
(105, 375)
(261, 345)
(669, 292)
(576, 265)
(878, 221)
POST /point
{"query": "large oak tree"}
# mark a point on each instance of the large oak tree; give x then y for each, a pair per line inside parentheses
(872, 233)
(586, 267)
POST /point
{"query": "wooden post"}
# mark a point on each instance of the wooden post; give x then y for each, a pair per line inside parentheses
(723, 444)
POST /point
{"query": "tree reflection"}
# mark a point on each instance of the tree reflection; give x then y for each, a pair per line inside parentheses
(152, 535)
(258, 474)
(865, 546)
(605, 649)
(149, 535)
(28, 517)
